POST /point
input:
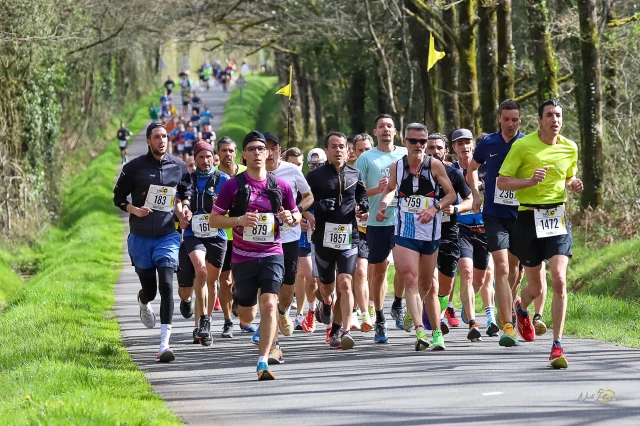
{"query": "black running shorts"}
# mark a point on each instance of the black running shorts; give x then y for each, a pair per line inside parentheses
(473, 245)
(499, 232)
(290, 251)
(263, 274)
(214, 247)
(530, 249)
(328, 259)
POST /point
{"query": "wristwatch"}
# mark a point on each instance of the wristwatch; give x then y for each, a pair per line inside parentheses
(455, 209)
(437, 206)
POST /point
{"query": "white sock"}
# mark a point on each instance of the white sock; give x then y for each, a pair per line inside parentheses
(165, 334)
(371, 303)
(142, 305)
(450, 304)
(312, 306)
(262, 359)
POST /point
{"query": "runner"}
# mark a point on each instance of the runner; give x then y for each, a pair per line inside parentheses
(338, 193)
(190, 139)
(449, 253)
(205, 246)
(257, 202)
(123, 136)
(374, 169)
(196, 102)
(207, 72)
(206, 116)
(474, 266)
(352, 155)
(361, 143)
(539, 167)
(423, 190)
(154, 113)
(169, 84)
(290, 236)
(165, 99)
(185, 92)
(153, 180)
(499, 215)
(227, 152)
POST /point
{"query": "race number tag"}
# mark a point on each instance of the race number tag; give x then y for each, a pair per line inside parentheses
(337, 236)
(201, 228)
(550, 223)
(263, 232)
(122, 144)
(507, 198)
(160, 198)
(284, 228)
(362, 226)
(414, 204)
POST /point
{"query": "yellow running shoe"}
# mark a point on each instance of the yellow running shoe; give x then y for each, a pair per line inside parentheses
(509, 337)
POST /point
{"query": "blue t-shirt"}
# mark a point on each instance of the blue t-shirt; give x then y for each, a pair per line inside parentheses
(205, 117)
(491, 151)
(374, 165)
(304, 241)
(470, 218)
(201, 183)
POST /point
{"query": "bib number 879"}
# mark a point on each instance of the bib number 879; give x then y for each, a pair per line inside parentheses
(260, 229)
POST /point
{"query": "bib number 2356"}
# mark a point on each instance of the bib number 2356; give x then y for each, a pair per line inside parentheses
(550, 222)
(263, 232)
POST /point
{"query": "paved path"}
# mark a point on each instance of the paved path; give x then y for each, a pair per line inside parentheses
(478, 383)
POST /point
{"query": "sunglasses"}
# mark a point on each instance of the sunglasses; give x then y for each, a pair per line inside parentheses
(414, 141)
(258, 149)
(314, 165)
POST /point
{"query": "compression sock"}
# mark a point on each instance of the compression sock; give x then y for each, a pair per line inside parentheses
(335, 328)
(380, 316)
(165, 334)
(165, 288)
(490, 314)
(397, 302)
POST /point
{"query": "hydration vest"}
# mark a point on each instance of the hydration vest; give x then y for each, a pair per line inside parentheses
(244, 193)
(427, 186)
(204, 201)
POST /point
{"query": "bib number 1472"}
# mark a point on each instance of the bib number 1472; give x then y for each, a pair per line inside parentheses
(550, 222)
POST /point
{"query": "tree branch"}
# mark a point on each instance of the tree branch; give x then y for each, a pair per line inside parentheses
(622, 21)
(533, 93)
(103, 40)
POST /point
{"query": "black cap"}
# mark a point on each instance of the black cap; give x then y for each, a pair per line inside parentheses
(254, 136)
(151, 128)
(271, 137)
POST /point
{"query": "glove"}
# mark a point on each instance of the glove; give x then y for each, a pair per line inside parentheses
(327, 204)
(363, 208)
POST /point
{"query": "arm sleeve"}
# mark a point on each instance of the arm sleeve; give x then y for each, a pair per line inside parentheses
(512, 163)
(123, 188)
(226, 197)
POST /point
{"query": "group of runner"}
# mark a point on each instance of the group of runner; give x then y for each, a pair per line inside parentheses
(265, 232)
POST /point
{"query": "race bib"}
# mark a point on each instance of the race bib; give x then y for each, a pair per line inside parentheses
(550, 222)
(160, 198)
(284, 228)
(506, 198)
(337, 236)
(122, 144)
(201, 228)
(362, 226)
(263, 232)
(414, 204)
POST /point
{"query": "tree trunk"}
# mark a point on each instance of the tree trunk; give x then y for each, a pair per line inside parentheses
(591, 117)
(487, 51)
(303, 92)
(611, 63)
(317, 106)
(506, 53)
(544, 60)
(450, 67)
(469, 99)
(357, 98)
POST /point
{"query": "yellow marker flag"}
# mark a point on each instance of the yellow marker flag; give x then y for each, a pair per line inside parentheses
(286, 90)
(434, 55)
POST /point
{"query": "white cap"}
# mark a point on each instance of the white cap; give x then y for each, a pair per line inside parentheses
(322, 156)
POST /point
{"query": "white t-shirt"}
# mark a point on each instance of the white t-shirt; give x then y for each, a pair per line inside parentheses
(296, 180)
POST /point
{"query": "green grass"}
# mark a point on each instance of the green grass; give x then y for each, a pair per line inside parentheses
(10, 282)
(61, 357)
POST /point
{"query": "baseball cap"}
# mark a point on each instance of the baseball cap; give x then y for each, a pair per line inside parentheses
(322, 156)
(271, 137)
(461, 134)
(254, 136)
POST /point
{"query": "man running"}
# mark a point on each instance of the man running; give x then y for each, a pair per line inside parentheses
(123, 141)
(338, 192)
(540, 167)
(499, 215)
(423, 190)
(153, 180)
(257, 203)
(169, 84)
(374, 170)
(205, 246)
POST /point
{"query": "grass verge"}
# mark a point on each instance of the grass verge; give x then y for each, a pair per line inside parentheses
(10, 282)
(61, 358)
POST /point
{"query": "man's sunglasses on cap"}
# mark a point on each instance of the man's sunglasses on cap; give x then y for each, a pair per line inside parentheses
(314, 165)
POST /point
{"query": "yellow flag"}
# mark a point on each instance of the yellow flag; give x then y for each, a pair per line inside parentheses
(286, 90)
(434, 55)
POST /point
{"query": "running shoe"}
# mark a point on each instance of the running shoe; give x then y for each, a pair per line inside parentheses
(463, 316)
(474, 333)
(167, 355)
(335, 342)
(346, 341)
(425, 319)
(437, 341)
(216, 306)
(186, 308)
(450, 313)
(422, 341)
(147, 316)
(397, 314)
(557, 358)
(355, 324)
(407, 322)
(492, 329)
(366, 325)
(298, 322)
(206, 341)
(255, 339)
(525, 328)
(204, 327)
(323, 312)
(196, 339)
(309, 322)
(275, 355)
(381, 333)
(294, 303)
(227, 330)
(285, 323)
(509, 337)
(538, 325)
(328, 337)
(372, 312)
(263, 372)
(248, 328)
(444, 327)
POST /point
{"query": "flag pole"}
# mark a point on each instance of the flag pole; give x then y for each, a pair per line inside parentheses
(289, 107)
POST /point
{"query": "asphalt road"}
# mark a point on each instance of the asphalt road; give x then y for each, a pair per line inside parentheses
(479, 383)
